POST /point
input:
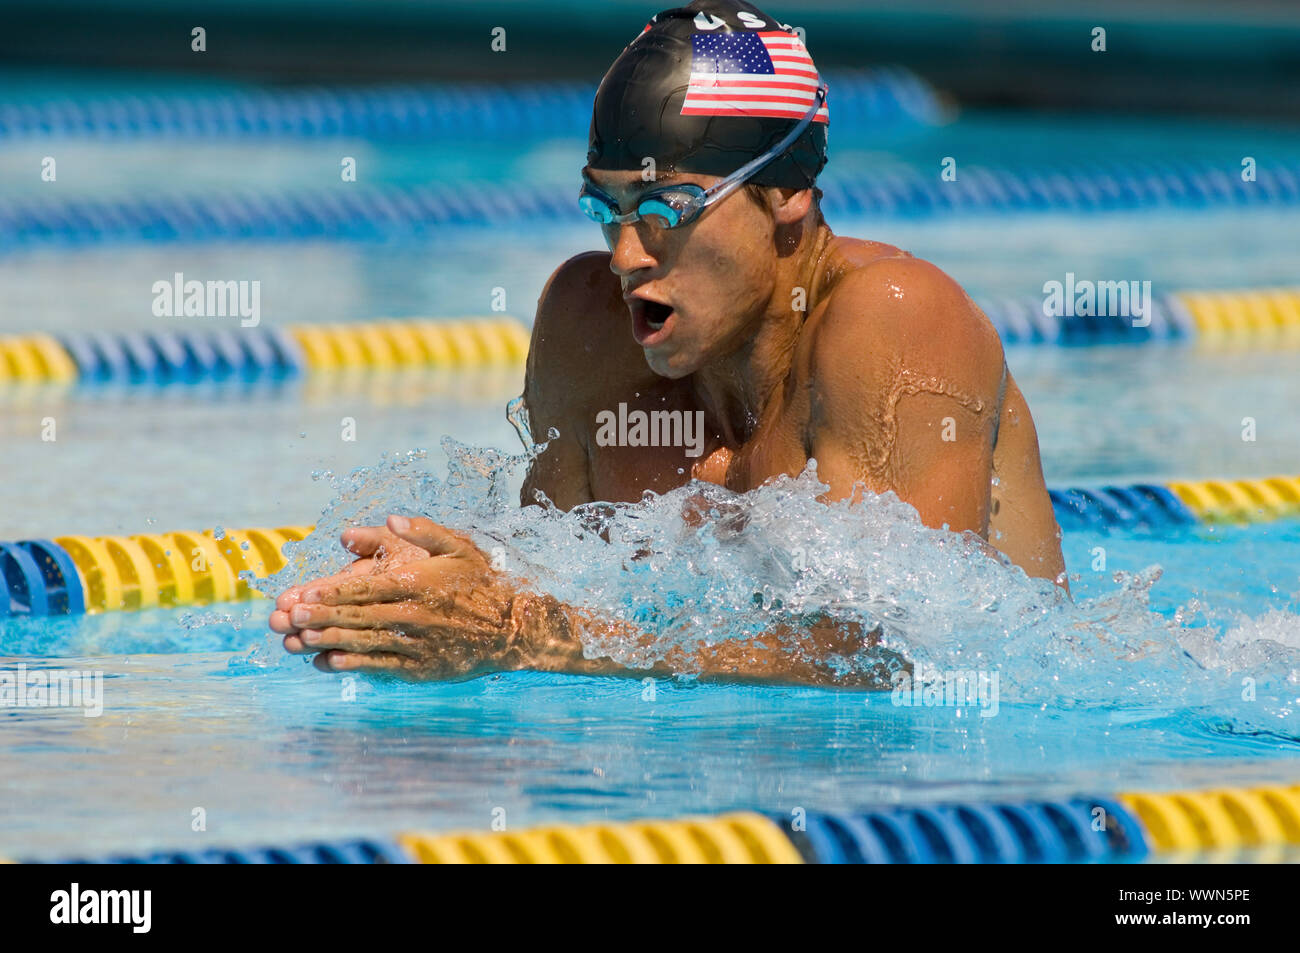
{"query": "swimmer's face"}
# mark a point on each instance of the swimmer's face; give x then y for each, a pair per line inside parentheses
(697, 292)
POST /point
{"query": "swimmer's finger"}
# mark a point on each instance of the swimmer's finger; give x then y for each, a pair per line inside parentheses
(363, 590)
(373, 616)
(289, 598)
(280, 624)
(428, 535)
(358, 641)
(365, 664)
(293, 595)
(364, 540)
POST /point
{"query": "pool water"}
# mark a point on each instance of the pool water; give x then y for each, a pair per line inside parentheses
(204, 713)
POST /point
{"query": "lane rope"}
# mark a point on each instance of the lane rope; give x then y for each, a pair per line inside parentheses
(1253, 823)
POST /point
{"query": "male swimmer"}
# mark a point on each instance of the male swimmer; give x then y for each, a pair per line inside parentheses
(723, 291)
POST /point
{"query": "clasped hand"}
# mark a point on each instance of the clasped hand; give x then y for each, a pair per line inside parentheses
(420, 602)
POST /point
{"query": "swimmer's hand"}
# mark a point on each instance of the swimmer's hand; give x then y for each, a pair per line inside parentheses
(374, 546)
(421, 603)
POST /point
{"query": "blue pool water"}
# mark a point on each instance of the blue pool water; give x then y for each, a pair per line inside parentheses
(203, 711)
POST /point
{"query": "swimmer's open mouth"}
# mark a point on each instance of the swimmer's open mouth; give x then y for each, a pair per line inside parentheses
(650, 319)
(656, 314)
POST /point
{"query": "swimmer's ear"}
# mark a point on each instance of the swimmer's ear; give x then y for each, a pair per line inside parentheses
(790, 206)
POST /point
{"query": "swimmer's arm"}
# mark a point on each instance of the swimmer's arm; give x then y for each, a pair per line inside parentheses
(548, 636)
(552, 394)
(449, 615)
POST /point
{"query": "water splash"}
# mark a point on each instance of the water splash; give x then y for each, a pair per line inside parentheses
(517, 417)
(701, 564)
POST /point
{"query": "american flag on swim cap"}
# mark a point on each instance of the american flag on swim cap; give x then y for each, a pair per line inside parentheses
(763, 73)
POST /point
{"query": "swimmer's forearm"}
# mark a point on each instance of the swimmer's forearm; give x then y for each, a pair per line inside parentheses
(546, 636)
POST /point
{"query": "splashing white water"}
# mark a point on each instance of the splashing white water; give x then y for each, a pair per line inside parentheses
(701, 564)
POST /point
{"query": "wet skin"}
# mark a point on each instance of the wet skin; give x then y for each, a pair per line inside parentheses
(796, 344)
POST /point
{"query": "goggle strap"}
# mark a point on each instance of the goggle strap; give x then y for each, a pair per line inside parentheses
(737, 178)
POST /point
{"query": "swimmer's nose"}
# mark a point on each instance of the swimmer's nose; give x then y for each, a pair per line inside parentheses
(627, 253)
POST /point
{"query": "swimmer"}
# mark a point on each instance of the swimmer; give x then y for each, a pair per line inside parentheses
(722, 290)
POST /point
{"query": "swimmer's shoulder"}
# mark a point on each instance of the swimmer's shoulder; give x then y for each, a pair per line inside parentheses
(881, 309)
(581, 344)
(580, 290)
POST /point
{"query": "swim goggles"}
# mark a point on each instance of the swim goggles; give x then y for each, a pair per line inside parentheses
(677, 205)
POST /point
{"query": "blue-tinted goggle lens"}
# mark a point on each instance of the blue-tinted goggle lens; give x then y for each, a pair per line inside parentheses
(666, 208)
(596, 208)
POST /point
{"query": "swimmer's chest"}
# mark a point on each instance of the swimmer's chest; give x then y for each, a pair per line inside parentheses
(660, 441)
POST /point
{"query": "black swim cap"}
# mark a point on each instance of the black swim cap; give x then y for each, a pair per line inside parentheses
(754, 81)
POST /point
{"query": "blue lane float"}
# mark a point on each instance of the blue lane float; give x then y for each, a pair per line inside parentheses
(995, 840)
(40, 579)
(25, 590)
(1081, 830)
(1143, 506)
(343, 852)
(412, 113)
(361, 213)
(1026, 321)
(183, 356)
(1098, 187)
